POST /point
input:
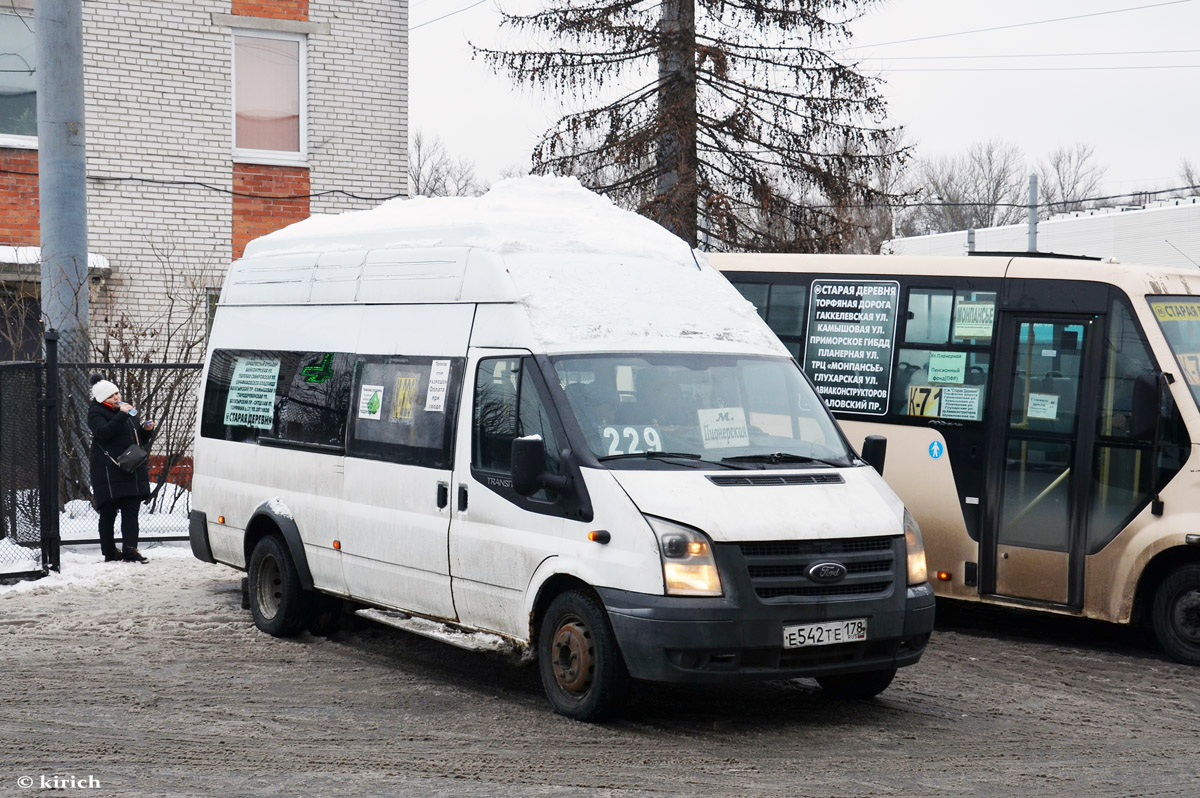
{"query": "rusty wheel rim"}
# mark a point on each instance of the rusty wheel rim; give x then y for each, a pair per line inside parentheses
(573, 657)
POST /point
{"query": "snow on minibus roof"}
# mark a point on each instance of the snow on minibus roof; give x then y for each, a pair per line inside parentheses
(587, 271)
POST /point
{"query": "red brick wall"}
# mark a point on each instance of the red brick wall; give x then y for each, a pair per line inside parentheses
(256, 216)
(274, 9)
(19, 226)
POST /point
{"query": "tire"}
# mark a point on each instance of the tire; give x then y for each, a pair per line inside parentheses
(1176, 614)
(582, 671)
(857, 685)
(280, 606)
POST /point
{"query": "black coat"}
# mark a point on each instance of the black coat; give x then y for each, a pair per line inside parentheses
(115, 432)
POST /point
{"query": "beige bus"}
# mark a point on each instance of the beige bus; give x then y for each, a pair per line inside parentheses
(1039, 414)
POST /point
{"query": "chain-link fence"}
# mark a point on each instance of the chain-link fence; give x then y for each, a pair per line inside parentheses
(21, 467)
(165, 393)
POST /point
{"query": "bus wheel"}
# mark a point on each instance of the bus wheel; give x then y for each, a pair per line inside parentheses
(1177, 614)
(279, 604)
(857, 685)
(582, 671)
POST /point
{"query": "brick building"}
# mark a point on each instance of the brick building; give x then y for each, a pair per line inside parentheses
(208, 123)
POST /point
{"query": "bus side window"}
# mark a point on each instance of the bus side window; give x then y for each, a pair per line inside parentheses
(929, 313)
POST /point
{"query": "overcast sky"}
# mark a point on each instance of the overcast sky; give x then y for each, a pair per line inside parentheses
(1133, 96)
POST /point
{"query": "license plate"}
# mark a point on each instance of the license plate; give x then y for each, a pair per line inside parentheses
(825, 634)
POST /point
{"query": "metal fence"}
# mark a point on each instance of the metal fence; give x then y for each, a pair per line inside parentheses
(45, 486)
(23, 549)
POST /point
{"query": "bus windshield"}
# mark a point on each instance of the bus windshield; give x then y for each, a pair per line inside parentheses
(740, 411)
(1179, 318)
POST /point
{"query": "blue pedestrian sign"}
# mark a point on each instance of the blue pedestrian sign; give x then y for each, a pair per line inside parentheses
(936, 449)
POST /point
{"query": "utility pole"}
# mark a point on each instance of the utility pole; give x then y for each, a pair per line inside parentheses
(1033, 213)
(62, 173)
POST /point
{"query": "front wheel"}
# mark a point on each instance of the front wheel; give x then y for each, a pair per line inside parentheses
(280, 605)
(857, 685)
(1176, 614)
(582, 671)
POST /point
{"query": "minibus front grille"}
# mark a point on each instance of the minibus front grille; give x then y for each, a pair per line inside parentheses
(779, 570)
(862, 589)
(726, 481)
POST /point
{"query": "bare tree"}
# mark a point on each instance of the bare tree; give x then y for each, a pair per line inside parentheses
(1189, 177)
(734, 124)
(1067, 178)
(982, 187)
(432, 172)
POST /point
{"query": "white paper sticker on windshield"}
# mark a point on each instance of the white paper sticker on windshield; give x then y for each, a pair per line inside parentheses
(948, 367)
(439, 378)
(1043, 405)
(370, 402)
(724, 428)
(251, 401)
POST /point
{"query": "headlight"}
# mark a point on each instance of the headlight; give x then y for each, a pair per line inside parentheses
(916, 550)
(688, 565)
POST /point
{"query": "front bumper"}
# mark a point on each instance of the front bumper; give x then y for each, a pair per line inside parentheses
(739, 636)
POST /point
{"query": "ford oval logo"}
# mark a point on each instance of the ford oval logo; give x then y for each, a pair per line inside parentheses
(827, 572)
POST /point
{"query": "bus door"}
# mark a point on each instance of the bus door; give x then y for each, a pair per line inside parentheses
(1041, 440)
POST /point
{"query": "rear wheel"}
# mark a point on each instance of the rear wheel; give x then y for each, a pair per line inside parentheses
(280, 606)
(581, 666)
(1176, 614)
(857, 685)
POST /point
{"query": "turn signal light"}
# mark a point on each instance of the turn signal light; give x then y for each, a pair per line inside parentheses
(599, 536)
(337, 545)
(220, 519)
(943, 576)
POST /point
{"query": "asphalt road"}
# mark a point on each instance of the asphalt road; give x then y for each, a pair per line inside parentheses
(153, 681)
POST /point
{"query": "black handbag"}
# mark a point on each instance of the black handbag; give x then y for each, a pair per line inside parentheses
(130, 460)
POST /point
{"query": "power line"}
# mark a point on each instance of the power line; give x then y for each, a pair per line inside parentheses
(923, 204)
(467, 8)
(1020, 24)
(1037, 69)
(1021, 55)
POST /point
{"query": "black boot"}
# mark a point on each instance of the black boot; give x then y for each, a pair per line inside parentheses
(113, 556)
(132, 555)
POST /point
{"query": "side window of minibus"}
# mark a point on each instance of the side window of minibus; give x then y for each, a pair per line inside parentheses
(508, 406)
(403, 410)
(317, 401)
(942, 366)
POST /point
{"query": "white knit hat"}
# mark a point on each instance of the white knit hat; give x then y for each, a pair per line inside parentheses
(103, 389)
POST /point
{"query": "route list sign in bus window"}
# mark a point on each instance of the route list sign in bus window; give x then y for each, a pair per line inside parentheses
(851, 331)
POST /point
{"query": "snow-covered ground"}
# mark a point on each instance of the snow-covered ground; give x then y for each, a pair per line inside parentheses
(84, 566)
(80, 521)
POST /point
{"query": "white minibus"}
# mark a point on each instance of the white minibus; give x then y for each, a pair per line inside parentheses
(533, 421)
(1040, 412)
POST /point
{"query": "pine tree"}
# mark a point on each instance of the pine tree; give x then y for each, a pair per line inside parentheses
(750, 134)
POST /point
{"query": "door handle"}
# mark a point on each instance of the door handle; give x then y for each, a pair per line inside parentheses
(462, 498)
(443, 495)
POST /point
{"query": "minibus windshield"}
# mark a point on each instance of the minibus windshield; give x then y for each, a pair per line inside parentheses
(660, 410)
(1179, 318)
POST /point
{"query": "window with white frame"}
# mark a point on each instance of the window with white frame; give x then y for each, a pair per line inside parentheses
(269, 96)
(18, 85)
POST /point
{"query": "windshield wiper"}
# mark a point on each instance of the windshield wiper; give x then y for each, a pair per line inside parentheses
(689, 456)
(782, 457)
(651, 455)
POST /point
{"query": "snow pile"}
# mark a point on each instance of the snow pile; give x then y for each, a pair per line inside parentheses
(85, 566)
(18, 559)
(591, 275)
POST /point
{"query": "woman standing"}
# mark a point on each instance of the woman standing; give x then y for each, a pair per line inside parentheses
(114, 429)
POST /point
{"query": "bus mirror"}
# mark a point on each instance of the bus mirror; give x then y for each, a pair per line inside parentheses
(529, 473)
(1144, 413)
(874, 451)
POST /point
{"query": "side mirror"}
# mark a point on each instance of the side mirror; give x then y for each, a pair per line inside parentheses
(874, 451)
(528, 467)
(1145, 410)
